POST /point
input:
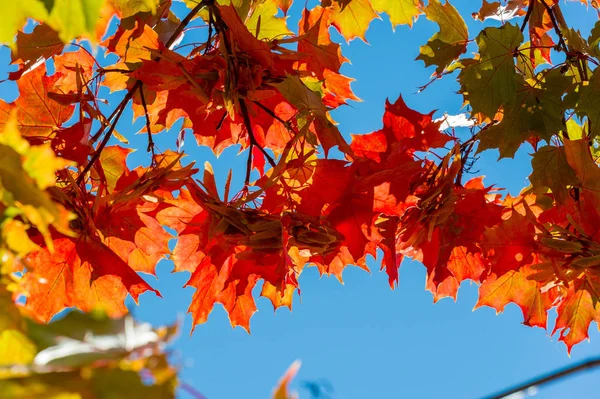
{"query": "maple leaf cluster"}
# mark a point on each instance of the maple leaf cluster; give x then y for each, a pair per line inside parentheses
(79, 224)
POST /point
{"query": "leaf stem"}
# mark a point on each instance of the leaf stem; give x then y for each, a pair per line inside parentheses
(150, 147)
(272, 114)
(251, 136)
(561, 40)
(188, 18)
(527, 16)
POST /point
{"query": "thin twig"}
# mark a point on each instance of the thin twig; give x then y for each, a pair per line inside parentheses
(557, 30)
(210, 32)
(527, 16)
(463, 161)
(108, 134)
(191, 390)
(272, 114)
(581, 68)
(249, 165)
(547, 378)
(150, 147)
(250, 132)
(119, 110)
(188, 18)
(105, 123)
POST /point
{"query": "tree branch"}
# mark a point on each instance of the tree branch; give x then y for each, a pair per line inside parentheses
(527, 16)
(548, 378)
(561, 40)
(150, 147)
(251, 136)
(188, 18)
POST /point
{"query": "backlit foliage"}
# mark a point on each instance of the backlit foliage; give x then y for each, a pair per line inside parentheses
(78, 223)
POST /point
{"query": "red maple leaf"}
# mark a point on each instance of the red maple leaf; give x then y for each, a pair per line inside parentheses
(81, 272)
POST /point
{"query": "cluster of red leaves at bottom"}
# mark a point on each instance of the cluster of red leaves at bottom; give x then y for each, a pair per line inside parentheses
(336, 213)
(333, 213)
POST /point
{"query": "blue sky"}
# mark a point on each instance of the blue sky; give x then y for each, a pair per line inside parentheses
(365, 339)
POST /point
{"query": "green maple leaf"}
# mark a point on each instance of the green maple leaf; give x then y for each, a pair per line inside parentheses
(15, 14)
(534, 111)
(594, 40)
(489, 82)
(450, 42)
(588, 103)
(551, 169)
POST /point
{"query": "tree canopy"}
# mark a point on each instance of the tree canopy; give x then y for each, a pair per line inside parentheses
(78, 224)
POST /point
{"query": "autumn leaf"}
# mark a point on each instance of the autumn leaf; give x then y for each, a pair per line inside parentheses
(540, 24)
(515, 286)
(244, 39)
(128, 8)
(580, 160)
(281, 391)
(24, 173)
(264, 24)
(533, 116)
(510, 245)
(402, 12)
(412, 130)
(114, 166)
(82, 273)
(588, 101)
(575, 313)
(306, 100)
(78, 222)
(392, 258)
(37, 114)
(135, 45)
(132, 231)
(219, 245)
(42, 43)
(284, 5)
(16, 15)
(451, 40)
(351, 18)
(450, 250)
(315, 41)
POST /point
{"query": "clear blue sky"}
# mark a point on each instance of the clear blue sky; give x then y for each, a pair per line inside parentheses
(366, 340)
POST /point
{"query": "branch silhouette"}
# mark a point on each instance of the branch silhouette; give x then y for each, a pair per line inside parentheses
(548, 378)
